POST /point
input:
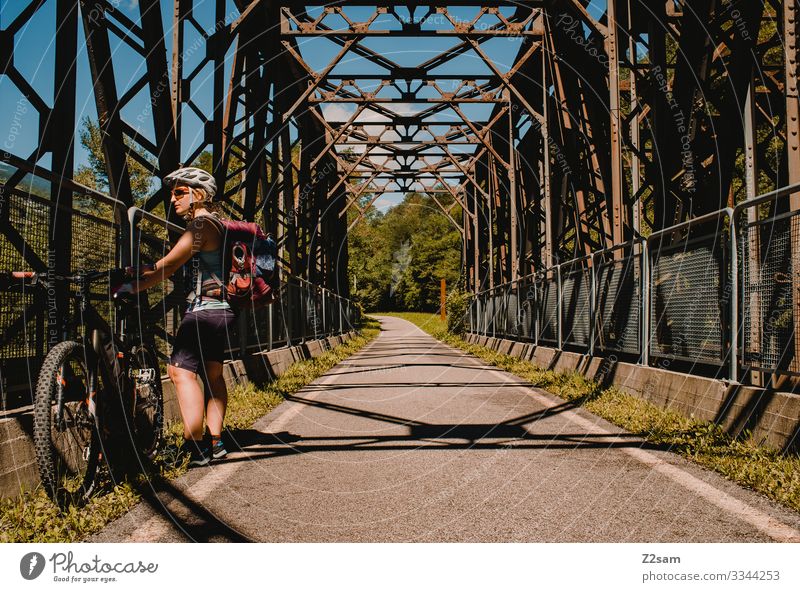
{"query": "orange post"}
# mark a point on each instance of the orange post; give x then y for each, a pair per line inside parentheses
(443, 299)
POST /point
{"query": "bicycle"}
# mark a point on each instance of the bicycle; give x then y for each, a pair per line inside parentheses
(93, 390)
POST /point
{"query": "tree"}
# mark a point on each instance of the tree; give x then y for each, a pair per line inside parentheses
(399, 258)
(95, 175)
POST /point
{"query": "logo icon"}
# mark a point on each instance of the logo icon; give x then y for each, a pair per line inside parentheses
(31, 565)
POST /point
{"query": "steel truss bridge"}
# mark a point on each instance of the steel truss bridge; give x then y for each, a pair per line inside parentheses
(603, 169)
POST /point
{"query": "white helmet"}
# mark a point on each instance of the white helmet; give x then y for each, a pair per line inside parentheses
(192, 177)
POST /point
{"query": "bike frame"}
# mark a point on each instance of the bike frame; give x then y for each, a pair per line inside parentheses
(106, 352)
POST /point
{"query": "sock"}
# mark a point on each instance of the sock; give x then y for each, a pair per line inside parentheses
(215, 439)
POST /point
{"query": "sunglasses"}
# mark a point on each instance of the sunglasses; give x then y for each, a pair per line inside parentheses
(180, 191)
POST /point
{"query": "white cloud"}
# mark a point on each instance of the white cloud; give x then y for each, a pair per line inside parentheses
(337, 112)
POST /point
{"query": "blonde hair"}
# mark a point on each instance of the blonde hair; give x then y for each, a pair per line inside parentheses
(202, 200)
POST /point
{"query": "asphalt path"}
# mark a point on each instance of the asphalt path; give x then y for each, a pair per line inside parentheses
(411, 440)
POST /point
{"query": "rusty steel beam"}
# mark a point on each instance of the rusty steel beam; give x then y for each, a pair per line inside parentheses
(582, 144)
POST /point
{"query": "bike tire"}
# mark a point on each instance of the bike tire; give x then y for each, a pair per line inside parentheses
(65, 434)
(148, 409)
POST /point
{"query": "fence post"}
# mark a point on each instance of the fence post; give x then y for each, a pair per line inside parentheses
(287, 318)
(645, 306)
(592, 303)
(472, 314)
(535, 308)
(506, 303)
(559, 306)
(734, 363)
(494, 314)
(303, 314)
(271, 307)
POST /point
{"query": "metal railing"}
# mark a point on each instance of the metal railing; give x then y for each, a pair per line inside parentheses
(671, 296)
(91, 233)
(104, 233)
(768, 233)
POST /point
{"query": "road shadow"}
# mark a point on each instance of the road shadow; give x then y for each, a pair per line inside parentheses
(201, 526)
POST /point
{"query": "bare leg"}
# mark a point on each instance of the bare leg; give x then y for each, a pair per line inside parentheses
(190, 400)
(217, 401)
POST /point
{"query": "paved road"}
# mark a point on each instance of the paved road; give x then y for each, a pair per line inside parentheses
(410, 440)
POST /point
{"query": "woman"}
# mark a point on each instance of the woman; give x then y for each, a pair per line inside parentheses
(199, 347)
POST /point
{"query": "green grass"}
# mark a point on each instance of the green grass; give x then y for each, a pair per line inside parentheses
(742, 460)
(427, 321)
(32, 517)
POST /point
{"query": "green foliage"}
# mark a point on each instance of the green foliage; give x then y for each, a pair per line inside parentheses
(95, 175)
(431, 323)
(456, 308)
(398, 259)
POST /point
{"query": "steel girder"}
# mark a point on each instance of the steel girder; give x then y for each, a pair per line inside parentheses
(607, 124)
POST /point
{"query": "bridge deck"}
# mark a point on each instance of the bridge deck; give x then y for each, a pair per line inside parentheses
(410, 440)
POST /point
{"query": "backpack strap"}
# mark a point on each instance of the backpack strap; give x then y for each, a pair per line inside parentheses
(219, 225)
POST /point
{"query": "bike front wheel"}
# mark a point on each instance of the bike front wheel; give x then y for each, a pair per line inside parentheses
(65, 430)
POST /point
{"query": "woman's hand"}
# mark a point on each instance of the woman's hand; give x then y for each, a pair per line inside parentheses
(125, 289)
(190, 243)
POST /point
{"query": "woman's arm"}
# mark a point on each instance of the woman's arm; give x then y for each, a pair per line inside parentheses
(189, 244)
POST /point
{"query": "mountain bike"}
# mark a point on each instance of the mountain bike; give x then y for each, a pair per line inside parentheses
(98, 400)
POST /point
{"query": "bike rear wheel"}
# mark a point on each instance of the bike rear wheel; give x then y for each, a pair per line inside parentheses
(149, 400)
(65, 430)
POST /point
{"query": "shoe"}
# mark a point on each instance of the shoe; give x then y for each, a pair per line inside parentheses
(218, 449)
(199, 453)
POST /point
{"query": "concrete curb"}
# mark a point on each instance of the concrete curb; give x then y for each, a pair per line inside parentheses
(18, 461)
(772, 417)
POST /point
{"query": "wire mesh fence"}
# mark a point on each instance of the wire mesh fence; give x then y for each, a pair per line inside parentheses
(769, 290)
(23, 314)
(97, 233)
(576, 302)
(618, 300)
(672, 298)
(546, 295)
(688, 286)
(55, 238)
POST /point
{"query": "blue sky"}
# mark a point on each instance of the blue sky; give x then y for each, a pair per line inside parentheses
(34, 58)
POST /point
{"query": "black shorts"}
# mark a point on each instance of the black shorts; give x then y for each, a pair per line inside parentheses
(202, 337)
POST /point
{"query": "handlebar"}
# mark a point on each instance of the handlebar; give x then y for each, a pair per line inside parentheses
(15, 279)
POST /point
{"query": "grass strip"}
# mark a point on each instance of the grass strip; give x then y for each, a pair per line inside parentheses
(742, 460)
(32, 517)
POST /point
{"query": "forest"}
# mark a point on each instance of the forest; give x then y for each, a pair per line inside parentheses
(398, 258)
